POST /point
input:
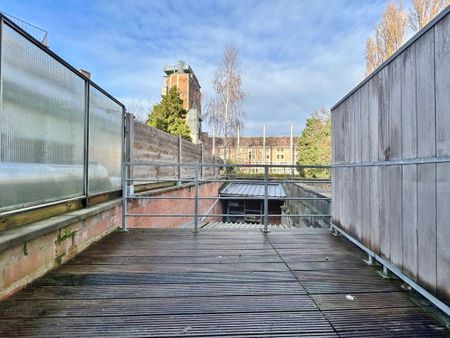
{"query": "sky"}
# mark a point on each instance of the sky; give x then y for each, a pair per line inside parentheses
(294, 56)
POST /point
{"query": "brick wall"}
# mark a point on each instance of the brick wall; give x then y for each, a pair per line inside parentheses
(171, 206)
(27, 260)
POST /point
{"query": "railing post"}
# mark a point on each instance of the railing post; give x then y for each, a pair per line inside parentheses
(201, 161)
(196, 184)
(266, 199)
(179, 158)
(127, 145)
(124, 197)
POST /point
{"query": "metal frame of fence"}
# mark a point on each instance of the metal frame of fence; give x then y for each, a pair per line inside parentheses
(197, 179)
(6, 210)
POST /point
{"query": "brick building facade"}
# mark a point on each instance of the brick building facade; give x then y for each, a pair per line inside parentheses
(182, 76)
(250, 150)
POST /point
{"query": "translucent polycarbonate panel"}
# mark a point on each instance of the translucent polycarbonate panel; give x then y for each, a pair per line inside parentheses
(41, 125)
(105, 142)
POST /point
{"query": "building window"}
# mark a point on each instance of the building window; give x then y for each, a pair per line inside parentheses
(280, 157)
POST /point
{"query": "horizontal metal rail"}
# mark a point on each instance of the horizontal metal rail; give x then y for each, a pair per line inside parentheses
(224, 180)
(225, 165)
(420, 160)
(227, 198)
(225, 215)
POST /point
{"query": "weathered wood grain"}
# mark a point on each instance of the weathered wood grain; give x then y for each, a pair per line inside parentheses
(409, 103)
(426, 118)
(394, 116)
(443, 231)
(375, 197)
(442, 71)
(395, 215)
(409, 220)
(408, 117)
(426, 225)
(203, 295)
(374, 111)
(384, 88)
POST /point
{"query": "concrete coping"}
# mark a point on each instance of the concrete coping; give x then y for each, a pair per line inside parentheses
(21, 234)
(312, 189)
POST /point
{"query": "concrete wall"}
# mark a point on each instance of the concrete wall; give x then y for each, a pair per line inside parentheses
(306, 206)
(400, 113)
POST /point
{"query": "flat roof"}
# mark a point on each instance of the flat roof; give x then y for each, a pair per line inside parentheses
(253, 190)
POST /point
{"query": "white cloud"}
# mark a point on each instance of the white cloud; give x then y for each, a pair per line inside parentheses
(295, 55)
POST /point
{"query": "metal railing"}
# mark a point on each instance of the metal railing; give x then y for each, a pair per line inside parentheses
(196, 174)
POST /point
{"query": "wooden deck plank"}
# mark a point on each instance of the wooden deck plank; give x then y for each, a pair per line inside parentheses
(160, 290)
(156, 306)
(221, 259)
(166, 268)
(217, 283)
(386, 322)
(362, 301)
(236, 325)
(164, 278)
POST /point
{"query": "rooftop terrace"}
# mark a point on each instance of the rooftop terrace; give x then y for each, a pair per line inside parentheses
(294, 282)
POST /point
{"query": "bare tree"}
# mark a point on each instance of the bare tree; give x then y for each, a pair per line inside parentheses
(389, 36)
(225, 111)
(138, 107)
(423, 11)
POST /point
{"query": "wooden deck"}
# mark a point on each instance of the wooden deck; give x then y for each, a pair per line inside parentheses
(218, 283)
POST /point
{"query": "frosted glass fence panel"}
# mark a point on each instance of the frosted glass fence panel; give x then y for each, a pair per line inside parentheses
(105, 142)
(41, 124)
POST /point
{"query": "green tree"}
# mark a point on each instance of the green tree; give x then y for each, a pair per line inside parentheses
(314, 144)
(169, 115)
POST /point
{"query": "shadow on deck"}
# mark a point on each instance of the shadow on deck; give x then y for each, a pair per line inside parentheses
(173, 283)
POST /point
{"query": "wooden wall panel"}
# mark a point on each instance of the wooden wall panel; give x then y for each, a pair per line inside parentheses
(443, 232)
(364, 123)
(442, 71)
(395, 214)
(409, 220)
(426, 119)
(401, 112)
(426, 225)
(409, 102)
(384, 149)
(383, 193)
(373, 106)
(365, 206)
(375, 197)
(394, 125)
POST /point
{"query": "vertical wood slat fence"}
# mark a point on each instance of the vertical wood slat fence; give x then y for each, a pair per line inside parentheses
(154, 145)
(391, 158)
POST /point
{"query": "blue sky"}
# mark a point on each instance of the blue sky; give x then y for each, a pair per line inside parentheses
(295, 56)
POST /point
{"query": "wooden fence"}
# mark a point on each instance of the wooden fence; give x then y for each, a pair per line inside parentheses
(391, 151)
(154, 145)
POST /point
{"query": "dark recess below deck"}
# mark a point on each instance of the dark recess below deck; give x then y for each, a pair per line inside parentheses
(296, 282)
